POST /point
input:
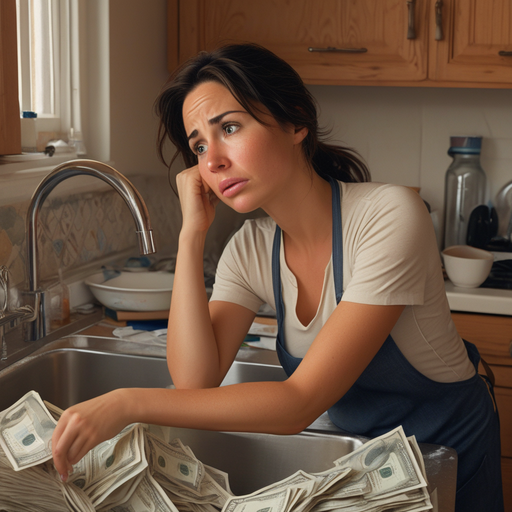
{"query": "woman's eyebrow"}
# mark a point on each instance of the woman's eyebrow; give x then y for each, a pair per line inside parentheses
(216, 120)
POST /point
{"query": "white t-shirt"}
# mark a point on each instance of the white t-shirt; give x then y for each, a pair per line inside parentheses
(390, 256)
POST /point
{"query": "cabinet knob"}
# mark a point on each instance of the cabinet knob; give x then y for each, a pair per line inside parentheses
(332, 49)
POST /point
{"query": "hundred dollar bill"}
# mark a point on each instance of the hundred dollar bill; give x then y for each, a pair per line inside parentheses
(269, 502)
(55, 411)
(175, 461)
(38, 489)
(26, 430)
(209, 493)
(147, 497)
(219, 476)
(111, 464)
(382, 467)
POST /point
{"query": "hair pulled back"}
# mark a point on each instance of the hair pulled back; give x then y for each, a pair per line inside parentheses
(255, 76)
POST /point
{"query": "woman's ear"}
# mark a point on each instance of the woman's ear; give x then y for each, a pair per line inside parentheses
(300, 134)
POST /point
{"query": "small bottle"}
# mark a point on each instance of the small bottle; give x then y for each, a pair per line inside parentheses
(465, 188)
(29, 132)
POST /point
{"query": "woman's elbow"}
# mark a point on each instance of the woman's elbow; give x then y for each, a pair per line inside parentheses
(299, 420)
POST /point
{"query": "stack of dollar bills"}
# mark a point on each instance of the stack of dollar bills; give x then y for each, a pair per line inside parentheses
(139, 471)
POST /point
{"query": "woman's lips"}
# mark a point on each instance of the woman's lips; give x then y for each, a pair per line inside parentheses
(231, 186)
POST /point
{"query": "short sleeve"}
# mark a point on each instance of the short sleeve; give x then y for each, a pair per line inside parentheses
(389, 242)
(243, 274)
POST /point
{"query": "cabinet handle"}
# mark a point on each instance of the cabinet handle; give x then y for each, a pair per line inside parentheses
(439, 20)
(504, 53)
(411, 30)
(332, 49)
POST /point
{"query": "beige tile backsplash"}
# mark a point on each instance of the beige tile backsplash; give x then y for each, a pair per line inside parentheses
(93, 228)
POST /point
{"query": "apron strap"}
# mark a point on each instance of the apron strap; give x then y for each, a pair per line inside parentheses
(337, 240)
(488, 371)
(337, 258)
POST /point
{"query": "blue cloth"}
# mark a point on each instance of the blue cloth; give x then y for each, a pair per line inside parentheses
(391, 392)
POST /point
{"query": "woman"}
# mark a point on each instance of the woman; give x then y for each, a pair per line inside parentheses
(351, 267)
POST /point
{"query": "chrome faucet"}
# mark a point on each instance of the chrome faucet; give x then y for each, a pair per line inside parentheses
(64, 171)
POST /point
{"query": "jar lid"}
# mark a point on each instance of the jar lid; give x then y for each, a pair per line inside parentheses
(470, 145)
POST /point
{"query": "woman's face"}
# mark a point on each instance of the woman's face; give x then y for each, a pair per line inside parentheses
(245, 163)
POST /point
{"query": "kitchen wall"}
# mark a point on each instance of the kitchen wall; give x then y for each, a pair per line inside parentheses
(404, 133)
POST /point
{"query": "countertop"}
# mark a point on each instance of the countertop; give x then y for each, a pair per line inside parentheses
(491, 301)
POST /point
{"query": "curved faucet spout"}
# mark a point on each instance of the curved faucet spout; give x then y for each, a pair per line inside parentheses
(102, 171)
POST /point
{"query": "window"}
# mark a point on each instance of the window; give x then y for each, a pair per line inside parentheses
(48, 65)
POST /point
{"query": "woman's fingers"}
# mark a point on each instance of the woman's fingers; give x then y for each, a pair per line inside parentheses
(197, 200)
(66, 443)
(84, 426)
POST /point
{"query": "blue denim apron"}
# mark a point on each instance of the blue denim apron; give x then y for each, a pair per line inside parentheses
(391, 392)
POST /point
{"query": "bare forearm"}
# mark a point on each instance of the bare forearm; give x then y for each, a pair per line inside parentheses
(268, 407)
(192, 354)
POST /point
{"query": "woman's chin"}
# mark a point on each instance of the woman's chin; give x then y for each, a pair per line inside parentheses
(241, 206)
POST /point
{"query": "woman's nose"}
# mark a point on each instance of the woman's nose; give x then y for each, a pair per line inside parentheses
(217, 158)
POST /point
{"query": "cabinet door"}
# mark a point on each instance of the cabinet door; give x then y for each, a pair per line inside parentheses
(372, 34)
(10, 130)
(491, 334)
(476, 44)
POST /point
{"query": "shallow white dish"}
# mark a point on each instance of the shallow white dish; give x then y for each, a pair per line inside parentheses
(133, 291)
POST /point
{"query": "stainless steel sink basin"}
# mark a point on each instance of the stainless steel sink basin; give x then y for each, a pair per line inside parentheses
(77, 368)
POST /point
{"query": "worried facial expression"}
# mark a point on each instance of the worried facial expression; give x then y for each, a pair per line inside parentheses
(244, 162)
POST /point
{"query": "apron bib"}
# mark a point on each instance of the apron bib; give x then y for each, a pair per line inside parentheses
(391, 392)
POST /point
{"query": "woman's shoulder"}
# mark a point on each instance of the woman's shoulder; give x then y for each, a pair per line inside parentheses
(372, 190)
(382, 197)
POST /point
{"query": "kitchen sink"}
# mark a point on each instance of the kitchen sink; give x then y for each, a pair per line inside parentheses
(77, 368)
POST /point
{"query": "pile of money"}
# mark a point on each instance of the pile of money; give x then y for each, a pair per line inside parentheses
(386, 473)
(141, 471)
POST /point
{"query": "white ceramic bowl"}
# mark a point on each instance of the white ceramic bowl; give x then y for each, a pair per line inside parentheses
(466, 266)
(133, 291)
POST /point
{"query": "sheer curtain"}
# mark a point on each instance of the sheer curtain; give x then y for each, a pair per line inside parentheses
(49, 65)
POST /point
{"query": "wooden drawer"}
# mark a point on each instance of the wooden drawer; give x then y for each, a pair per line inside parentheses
(502, 375)
(506, 470)
(491, 334)
(504, 401)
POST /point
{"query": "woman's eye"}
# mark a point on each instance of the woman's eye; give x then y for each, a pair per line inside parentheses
(230, 129)
(200, 149)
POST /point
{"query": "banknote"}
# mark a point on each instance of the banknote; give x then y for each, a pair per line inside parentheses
(26, 430)
(147, 497)
(111, 464)
(175, 462)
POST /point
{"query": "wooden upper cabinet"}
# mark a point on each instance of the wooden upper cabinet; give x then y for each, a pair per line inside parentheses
(476, 44)
(372, 35)
(456, 43)
(10, 130)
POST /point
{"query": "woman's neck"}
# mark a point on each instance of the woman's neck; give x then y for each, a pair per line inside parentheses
(305, 214)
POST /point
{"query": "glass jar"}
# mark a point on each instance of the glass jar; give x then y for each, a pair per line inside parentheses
(465, 188)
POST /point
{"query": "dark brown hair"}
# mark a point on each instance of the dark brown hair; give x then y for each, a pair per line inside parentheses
(255, 76)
